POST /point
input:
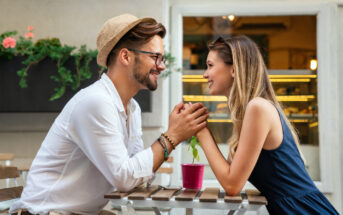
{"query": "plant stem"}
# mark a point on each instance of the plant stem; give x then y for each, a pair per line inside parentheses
(28, 67)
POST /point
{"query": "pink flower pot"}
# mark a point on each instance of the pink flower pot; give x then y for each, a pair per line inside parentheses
(192, 175)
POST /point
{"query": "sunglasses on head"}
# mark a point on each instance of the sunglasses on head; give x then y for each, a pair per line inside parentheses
(220, 40)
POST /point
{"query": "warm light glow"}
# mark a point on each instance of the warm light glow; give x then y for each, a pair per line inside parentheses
(313, 124)
(292, 76)
(231, 17)
(295, 78)
(299, 120)
(219, 120)
(292, 120)
(201, 98)
(272, 80)
(223, 17)
(313, 64)
(194, 80)
(196, 98)
(192, 76)
(290, 80)
(297, 98)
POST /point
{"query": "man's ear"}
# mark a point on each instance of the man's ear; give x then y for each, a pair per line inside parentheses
(124, 56)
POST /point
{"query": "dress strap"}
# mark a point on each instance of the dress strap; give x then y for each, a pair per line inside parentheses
(282, 120)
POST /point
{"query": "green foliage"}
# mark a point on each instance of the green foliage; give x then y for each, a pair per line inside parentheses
(170, 65)
(60, 54)
(54, 50)
(193, 144)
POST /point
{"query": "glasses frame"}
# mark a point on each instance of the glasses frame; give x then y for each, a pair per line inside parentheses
(159, 57)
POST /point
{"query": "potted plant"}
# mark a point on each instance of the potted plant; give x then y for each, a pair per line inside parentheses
(192, 174)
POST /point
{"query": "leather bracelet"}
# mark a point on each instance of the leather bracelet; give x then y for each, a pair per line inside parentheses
(171, 142)
(165, 148)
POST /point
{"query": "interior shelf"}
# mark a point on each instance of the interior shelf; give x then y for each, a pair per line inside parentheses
(205, 98)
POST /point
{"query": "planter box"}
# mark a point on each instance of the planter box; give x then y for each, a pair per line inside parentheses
(35, 98)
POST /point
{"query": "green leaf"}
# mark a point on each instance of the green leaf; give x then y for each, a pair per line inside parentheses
(58, 93)
(193, 143)
(195, 152)
(23, 83)
(20, 72)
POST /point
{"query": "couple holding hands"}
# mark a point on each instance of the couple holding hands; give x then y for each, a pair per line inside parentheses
(95, 145)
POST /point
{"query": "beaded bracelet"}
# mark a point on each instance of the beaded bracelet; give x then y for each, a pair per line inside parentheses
(164, 146)
(171, 142)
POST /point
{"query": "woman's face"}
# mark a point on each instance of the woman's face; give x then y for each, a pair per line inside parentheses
(219, 75)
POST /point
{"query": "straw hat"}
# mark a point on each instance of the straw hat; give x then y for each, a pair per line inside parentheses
(112, 31)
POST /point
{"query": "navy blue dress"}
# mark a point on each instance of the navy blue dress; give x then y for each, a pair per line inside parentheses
(280, 175)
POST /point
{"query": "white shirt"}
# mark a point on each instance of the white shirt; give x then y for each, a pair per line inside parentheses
(88, 152)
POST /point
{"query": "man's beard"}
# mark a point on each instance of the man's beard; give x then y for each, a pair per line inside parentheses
(144, 79)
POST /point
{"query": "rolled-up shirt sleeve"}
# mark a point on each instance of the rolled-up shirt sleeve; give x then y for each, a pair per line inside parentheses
(96, 128)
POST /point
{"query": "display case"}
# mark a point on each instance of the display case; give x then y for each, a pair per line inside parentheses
(296, 90)
(288, 46)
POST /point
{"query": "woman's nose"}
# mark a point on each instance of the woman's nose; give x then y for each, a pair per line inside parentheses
(205, 75)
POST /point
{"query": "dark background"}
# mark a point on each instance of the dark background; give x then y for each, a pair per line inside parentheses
(35, 98)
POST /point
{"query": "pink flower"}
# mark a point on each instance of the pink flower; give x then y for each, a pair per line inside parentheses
(29, 35)
(9, 42)
(30, 28)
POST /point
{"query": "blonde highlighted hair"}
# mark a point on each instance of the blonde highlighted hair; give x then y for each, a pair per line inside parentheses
(250, 81)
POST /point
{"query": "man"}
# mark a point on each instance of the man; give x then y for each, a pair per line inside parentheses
(95, 145)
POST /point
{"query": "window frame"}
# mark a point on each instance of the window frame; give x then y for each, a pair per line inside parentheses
(327, 72)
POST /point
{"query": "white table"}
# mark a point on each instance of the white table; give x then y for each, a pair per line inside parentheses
(211, 198)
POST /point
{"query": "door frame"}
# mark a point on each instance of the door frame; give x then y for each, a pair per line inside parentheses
(327, 73)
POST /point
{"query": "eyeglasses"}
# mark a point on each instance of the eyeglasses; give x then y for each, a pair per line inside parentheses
(159, 57)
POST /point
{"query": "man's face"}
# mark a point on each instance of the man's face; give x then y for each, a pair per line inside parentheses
(145, 70)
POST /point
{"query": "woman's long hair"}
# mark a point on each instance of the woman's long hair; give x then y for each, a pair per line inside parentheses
(250, 81)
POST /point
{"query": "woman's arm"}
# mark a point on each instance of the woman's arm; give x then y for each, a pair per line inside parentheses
(255, 128)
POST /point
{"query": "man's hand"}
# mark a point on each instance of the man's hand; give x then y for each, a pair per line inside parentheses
(186, 120)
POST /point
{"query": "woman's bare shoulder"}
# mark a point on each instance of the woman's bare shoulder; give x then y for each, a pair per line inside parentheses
(260, 105)
(262, 112)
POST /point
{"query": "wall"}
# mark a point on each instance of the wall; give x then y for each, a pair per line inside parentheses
(75, 23)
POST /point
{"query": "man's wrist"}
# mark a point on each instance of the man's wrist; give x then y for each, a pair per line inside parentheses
(174, 140)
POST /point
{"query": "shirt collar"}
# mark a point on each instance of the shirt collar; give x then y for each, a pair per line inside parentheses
(119, 103)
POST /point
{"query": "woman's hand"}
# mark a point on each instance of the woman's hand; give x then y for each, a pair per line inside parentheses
(186, 120)
(201, 132)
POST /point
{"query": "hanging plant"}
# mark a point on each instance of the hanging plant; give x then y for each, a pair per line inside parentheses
(51, 48)
(54, 50)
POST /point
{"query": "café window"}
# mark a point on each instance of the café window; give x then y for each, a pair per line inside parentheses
(288, 46)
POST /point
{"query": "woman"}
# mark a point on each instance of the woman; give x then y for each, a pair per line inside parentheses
(264, 147)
